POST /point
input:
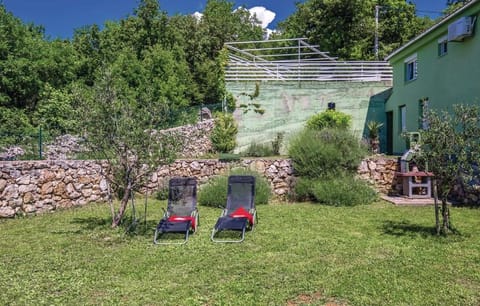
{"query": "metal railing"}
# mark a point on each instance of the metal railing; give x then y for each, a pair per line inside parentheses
(295, 60)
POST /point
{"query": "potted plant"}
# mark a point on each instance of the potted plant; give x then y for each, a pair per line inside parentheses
(373, 132)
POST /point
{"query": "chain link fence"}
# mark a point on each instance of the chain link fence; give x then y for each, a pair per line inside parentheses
(35, 144)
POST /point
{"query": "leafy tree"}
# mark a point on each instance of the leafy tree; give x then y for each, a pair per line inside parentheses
(86, 42)
(453, 5)
(451, 148)
(120, 129)
(14, 126)
(346, 29)
(55, 112)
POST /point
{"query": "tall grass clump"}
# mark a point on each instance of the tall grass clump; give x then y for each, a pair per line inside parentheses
(214, 193)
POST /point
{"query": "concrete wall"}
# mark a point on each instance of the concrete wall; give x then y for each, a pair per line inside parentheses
(445, 80)
(289, 104)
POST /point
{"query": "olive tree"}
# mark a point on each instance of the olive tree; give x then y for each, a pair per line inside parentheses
(121, 130)
(451, 148)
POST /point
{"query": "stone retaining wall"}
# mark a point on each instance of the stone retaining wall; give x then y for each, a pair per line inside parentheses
(39, 186)
(278, 172)
(380, 171)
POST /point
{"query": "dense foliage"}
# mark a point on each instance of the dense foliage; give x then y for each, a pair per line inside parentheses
(347, 29)
(176, 62)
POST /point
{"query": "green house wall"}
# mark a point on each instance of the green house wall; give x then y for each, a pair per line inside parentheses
(450, 79)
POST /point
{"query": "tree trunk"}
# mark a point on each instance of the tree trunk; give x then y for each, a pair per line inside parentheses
(123, 205)
(445, 217)
(437, 208)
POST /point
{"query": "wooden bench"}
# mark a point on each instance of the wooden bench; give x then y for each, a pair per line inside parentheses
(414, 189)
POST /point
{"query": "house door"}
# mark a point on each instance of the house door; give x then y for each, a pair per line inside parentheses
(389, 133)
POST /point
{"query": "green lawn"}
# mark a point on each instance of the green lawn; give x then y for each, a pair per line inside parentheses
(299, 254)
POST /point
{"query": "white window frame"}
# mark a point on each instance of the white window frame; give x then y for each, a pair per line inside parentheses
(411, 68)
(443, 46)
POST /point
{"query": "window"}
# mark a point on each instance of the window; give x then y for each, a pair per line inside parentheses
(402, 111)
(411, 68)
(442, 46)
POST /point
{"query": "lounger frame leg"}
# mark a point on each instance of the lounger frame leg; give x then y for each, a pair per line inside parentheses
(158, 234)
(214, 232)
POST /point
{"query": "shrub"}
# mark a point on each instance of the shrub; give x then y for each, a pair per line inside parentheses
(316, 153)
(257, 150)
(277, 143)
(303, 190)
(342, 191)
(214, 193)
(329, 119)
(162, 193)
(224, 133)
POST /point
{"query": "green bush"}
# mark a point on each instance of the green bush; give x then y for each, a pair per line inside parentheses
(257, 150)
(15, 128)
(303, 190)
(317, 153)
(224, 133)
(277, 143)
(162, 193)
(342, 191)
(329, 119)
(214, 193)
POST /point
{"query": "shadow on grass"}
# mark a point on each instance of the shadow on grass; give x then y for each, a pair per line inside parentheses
(407, 229)
(404, 228)
(139, 227)
(92, 223)
(130, 227)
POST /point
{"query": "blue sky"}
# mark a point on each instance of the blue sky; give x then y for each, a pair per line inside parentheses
(61, 17)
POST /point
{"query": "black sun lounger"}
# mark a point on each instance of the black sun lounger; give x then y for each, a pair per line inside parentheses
(181, 215)
(239, 214)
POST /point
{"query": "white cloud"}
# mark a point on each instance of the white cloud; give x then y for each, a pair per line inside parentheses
(197, 15)
(263, 15)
